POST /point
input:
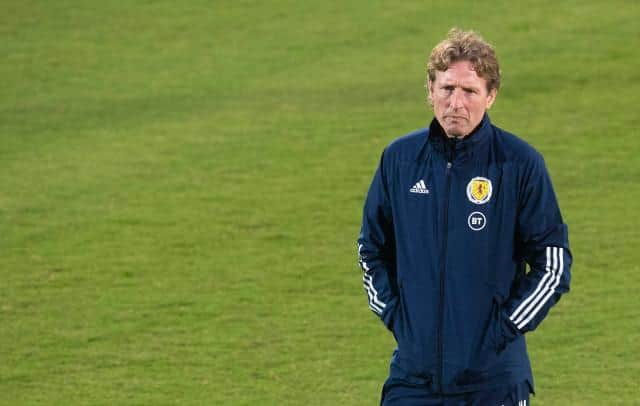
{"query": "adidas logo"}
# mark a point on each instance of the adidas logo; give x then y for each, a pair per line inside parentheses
(419, 187)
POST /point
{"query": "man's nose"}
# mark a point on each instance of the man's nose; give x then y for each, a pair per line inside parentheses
(456, 99)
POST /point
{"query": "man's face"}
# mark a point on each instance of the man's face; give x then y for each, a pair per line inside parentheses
(459, 98)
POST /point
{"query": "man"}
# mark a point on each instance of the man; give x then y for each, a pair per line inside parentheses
(452, 216)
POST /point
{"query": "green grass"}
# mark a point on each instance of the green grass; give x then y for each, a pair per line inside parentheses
(181, 190)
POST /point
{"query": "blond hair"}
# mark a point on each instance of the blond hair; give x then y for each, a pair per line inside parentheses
(465, 46)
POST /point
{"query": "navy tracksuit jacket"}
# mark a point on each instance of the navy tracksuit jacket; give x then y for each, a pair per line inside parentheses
(447, 229)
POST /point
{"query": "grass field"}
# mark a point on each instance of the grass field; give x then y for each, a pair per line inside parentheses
(181, 186)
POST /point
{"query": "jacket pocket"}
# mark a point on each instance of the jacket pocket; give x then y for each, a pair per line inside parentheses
(408, 339)
(397, 322)
(487, 349)
(498, 338)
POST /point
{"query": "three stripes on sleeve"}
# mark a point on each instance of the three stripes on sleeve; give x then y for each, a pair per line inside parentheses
(375, 303)
(532, 304)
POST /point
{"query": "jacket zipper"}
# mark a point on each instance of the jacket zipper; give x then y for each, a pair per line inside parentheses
(443, 267)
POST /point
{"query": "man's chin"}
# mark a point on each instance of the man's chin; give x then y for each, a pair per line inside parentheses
(456, 132)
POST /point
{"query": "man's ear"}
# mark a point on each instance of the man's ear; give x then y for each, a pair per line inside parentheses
(491, 97)
(429, 87)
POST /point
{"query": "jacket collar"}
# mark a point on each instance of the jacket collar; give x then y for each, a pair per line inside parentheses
(453, 148)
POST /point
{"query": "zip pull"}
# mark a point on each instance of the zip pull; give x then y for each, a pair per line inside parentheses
(449, 165)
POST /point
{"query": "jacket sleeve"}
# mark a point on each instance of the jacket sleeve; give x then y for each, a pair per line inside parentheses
(376, 249)
(542, 238)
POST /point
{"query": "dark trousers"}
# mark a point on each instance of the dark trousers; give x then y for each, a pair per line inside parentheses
(397, 393)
